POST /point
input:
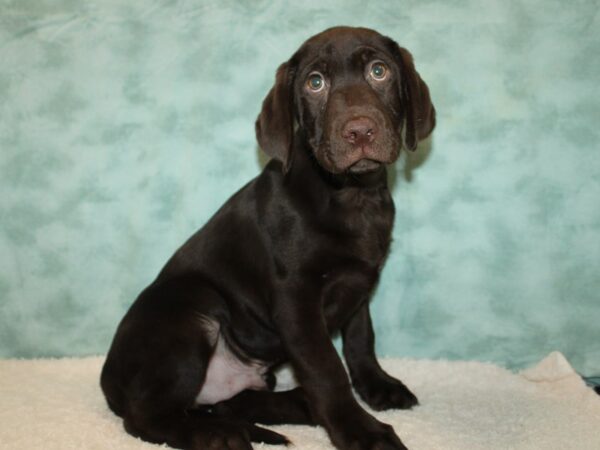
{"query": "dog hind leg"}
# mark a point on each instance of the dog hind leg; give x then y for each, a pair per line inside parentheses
(160, 361)
(161, 399)
(269, 408)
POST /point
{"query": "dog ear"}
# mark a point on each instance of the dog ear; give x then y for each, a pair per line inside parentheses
(275, 123)
(419, 111)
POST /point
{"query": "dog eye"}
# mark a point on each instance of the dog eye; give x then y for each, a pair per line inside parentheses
(315, 82)
(378, 71)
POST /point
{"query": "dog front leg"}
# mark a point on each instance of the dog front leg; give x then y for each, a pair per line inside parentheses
(378, 389)
(322, 376)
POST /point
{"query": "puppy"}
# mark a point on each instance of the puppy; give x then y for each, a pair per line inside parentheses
(288, 260)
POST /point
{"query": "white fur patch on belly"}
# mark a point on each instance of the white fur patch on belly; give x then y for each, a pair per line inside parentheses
(227, 376)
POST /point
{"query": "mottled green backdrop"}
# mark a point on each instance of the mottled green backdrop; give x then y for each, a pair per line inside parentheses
(124, 125)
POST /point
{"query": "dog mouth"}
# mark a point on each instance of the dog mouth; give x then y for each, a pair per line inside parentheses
(356, 163)
(364, 165)
(337, 157)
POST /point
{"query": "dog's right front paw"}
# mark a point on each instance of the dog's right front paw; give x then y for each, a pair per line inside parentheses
(380, 440)
(385, 393)
(367, 433)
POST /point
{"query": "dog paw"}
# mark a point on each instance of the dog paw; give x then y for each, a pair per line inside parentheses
(355, 429)
(221, 440)
(383, 438)
(222, 435)
(388, 393)
(377, 442)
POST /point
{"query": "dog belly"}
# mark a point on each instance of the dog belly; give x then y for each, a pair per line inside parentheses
(227, 376)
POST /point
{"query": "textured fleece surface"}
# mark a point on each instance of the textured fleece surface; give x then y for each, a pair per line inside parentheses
(124, 125)
(57, 405)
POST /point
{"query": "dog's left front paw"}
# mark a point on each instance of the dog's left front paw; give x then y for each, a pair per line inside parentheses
(387, 393)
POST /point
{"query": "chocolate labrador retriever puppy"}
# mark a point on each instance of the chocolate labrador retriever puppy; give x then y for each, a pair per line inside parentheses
(290, 259)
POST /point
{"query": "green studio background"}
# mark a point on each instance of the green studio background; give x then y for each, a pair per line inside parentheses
(125, 125)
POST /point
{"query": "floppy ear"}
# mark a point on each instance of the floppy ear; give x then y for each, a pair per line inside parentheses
(275, 123)
(414, 93)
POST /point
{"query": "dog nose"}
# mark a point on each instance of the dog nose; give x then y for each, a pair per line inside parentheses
(359, 131)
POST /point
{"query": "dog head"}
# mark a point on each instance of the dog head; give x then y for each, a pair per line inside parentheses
(356, 96)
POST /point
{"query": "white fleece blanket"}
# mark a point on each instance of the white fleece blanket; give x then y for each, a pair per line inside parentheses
(57, 404)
